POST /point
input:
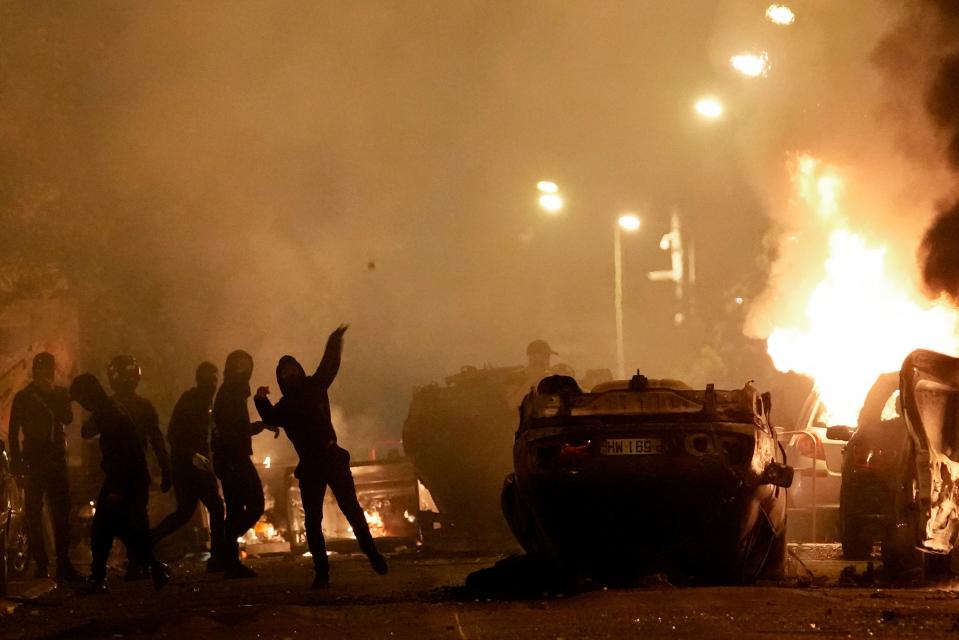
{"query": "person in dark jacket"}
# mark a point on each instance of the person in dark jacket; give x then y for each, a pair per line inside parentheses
(40, 411)
(232, 445)
(124, 374)
(193, 478)
(121, 509)
(304, 413)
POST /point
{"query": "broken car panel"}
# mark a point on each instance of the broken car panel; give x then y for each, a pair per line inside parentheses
(929, 390)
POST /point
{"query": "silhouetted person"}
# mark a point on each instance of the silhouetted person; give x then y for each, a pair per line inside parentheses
(121, 509)
(304, 413)
(40, 411)
(538, 354)
(193, 478)
(124, 374)
(232, 445)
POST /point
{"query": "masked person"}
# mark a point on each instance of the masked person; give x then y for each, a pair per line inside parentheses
(124, 374)
(232, 445)
(304, 413)
(121, 509)
(40, 411)
(193, 478)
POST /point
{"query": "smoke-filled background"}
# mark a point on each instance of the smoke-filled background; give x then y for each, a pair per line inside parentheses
(204, 176)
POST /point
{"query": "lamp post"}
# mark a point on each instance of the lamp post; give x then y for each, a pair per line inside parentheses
(629, 223)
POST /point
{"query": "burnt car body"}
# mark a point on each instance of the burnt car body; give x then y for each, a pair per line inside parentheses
(459, 438)
(645, 476)
(925, 507)
(872, 464)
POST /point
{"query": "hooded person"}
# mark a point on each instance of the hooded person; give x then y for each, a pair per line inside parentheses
(193, 477)
(304, 413)
(40, 411)
(121, 509)
(232, 446)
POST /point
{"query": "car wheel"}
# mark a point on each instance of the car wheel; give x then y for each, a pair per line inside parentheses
(856, 543)
(900, 555)
(775, 566)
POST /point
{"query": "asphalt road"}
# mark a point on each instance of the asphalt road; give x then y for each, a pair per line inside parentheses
(422, 597)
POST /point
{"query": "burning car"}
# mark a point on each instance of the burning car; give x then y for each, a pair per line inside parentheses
(925, 505)
(644, 475)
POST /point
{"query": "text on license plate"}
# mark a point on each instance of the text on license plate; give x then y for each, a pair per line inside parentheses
(631, 446)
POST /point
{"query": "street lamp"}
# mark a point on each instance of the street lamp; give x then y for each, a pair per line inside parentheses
(709, 108)
(629, 223)
(549, 199)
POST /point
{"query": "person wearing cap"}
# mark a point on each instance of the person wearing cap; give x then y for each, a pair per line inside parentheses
(538, 354)
(40, 411)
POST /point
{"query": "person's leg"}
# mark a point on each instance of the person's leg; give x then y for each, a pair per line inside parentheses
(252, 495)
(340, 479)
(186, 498)
(36, 486)
(58, 502)
(136, 534)
(102, 531)
(235, 478)
(206, 488)
(232, 497)
(312, 493)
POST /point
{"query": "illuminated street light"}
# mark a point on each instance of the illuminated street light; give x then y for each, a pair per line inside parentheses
(549, 199)
(709, 108)
(551, 202)
(751, 65)
(780, 14)
(629, 223)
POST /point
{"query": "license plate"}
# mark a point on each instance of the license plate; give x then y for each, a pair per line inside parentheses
(631, 446)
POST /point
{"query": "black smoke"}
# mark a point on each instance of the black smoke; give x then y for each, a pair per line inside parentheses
(939, 252)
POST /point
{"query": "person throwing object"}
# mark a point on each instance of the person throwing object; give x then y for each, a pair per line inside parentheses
(304, 413)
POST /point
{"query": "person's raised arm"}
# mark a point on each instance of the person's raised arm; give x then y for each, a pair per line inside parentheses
(330, 364)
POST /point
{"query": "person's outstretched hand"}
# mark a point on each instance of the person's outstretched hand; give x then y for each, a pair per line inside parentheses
(262, 392)
(339, 331)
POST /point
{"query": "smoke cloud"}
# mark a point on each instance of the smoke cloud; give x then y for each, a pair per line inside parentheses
(203, 176)
(939, 253)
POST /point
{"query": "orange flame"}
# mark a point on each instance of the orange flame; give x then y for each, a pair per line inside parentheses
(860, 320)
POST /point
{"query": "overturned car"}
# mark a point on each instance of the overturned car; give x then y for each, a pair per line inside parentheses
(644, 476)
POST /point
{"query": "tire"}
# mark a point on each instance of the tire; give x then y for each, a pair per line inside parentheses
(775, 566)
(856, 543)
(900, 554)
